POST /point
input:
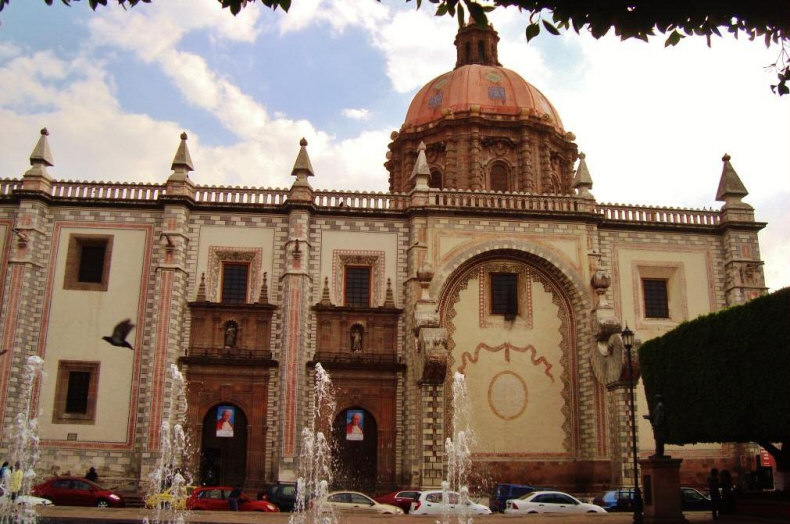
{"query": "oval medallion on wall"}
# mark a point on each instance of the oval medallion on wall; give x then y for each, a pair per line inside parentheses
(507, 395)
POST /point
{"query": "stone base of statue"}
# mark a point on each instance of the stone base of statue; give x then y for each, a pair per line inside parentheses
(661, 490)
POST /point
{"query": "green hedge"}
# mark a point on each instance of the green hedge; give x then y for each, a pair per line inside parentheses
(725, 377)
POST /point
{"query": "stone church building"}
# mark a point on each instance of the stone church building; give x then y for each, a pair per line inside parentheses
(489, 256)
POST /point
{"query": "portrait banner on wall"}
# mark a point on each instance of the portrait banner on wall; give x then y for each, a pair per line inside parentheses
(226, 419)
(355, 424)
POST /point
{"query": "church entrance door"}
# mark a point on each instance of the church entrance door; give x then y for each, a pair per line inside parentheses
(223, 448)
(355, 435)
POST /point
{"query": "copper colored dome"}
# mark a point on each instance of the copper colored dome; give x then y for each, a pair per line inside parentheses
(493, 89)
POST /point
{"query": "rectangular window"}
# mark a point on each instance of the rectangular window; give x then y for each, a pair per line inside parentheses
(504, 294)
(357, 289)
(75, 392)
(88, 262)
(656, 300)
(234, 283)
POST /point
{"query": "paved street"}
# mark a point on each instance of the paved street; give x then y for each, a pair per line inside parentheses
(68, 515)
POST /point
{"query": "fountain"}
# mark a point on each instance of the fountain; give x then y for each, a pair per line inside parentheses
(458, 454)
(315, 458)
(24, 446)
(169, 472)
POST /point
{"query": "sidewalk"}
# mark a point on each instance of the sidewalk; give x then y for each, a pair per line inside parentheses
(75, 515)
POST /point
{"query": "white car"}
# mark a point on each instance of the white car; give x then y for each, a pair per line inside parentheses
(430, 503)
(549, 502)
(26, 500)
(355, 501)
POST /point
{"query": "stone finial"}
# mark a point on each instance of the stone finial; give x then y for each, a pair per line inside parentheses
(389, 299)
(178, 183)
(36, 178)
(421, 173)
(263, 297)
(201, 292)
(41, 153)
(182, 158)
(302, 164)
(582, 181)
(731, 190)
(325, 299)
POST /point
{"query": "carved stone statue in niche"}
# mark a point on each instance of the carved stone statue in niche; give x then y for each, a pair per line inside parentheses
(231, 330)
(357, 335)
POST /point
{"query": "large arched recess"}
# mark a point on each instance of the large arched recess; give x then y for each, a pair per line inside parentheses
(523, 373)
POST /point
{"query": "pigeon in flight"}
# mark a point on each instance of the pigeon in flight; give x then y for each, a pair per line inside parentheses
(3, 352)
(119, 334)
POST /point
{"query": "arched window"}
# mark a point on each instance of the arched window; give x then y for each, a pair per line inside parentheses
(436, 179)
(468, 49)
(481, 52)
(499, 179)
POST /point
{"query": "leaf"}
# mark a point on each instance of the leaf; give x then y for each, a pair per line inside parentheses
(441, 10)
(673, 39)
(461, 16)
(478, 14)
(533, 30)
(550, 27)
(285, 4)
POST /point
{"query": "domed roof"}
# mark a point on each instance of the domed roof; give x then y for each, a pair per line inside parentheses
(492, 88)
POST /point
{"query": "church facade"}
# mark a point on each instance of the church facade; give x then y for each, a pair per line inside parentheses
(488, 257)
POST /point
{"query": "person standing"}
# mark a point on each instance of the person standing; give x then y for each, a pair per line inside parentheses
(4, 473)
(15, 485)
(92, 475)
(233, 499)
(713, 489)
(727, 497)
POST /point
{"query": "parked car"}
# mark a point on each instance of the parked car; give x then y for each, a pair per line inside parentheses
(355, 501)
(169, 499)
(502, 492)
(76, 491)
(693, 500)
(622, 499)
(281, 494)
(615, 500)
(549, 502)
(215, 498)
(25, 500)
(402, 499)
(430, 503)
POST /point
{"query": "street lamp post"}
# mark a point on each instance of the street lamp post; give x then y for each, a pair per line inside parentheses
(628, 342)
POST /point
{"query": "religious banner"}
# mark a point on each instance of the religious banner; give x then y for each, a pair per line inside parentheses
(226, 418)
(355, 423)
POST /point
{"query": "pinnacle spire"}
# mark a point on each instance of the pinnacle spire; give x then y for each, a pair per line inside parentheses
(731, 189)
(41, 154)
(582, 181)
(421, 165)
(302, 164)
(182, 160)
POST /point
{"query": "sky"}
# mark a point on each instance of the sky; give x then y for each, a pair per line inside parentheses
(116, 88)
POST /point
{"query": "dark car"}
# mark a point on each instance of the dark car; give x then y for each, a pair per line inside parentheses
(616, 500)
(281, 494)
(215, 498)
(623, 500)
(401, 499)
(76, 491)
(503, 492)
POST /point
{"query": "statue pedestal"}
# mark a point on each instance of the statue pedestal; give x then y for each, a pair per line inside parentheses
(661, 491)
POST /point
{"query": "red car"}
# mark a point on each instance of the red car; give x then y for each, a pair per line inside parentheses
(401, 499)
(215, 498)
(76, 491)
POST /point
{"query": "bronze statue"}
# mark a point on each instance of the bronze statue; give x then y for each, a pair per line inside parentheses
(658, 419)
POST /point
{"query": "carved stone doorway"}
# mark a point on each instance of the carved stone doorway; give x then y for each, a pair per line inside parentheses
(355, 435)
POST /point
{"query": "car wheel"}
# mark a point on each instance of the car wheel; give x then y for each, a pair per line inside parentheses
(532, 512)
(101, 503)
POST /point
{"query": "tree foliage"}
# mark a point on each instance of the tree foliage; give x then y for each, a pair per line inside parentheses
(724, 376)
(767, 20)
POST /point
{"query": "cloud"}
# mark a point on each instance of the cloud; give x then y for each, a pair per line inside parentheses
(356, 114)
(336, 14)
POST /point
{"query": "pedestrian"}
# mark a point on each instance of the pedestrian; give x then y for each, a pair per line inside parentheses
(713, 489)
(15, 485)
(727, 495)
(4, 472)
(92, 475)
(233, 499)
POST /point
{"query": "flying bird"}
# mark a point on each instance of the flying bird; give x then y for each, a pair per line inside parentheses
(3, 352)
(119, 334)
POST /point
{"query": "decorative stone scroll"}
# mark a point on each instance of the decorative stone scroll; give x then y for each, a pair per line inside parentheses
(433, 345)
